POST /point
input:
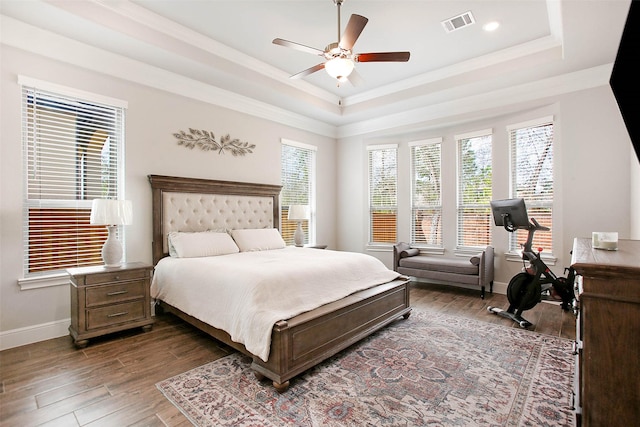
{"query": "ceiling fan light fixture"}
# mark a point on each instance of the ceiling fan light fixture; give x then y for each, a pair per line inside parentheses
(339, 68)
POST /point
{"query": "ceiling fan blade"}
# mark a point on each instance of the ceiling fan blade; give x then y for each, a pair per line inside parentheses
(308, 71)
(352, 32)
(382, 57)
(355, 78)
(298, 46)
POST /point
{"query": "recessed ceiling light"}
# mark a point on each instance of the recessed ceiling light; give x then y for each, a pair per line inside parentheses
(491, 26)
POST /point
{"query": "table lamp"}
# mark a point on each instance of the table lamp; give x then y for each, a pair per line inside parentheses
(298, 213)
(111, 213)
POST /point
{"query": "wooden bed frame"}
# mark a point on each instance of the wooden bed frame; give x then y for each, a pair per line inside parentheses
(305, 340)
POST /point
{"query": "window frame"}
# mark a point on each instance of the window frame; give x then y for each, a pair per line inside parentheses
(460, 205)
(76, 203)
(309, 227)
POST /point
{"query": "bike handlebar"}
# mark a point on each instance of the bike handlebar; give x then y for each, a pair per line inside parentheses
(537, 226)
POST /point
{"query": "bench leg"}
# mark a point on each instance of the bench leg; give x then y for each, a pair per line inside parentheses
(482, 292)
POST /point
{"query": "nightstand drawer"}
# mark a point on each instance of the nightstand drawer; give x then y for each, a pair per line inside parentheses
(113, 314)
(118, 292)
(116, 276)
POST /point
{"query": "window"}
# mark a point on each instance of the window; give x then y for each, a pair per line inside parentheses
(72, 149)
(474, 189)
(298, 187)
(383, 194)
(426, 193)
(532, 177)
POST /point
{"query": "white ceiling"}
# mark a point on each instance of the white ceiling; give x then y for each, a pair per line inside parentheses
(228, 45)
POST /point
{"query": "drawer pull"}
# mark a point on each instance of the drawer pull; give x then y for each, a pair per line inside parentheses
(122, 313)
(110, 294)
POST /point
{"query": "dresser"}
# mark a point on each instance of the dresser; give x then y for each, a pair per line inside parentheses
(109, 299)
(608, 334)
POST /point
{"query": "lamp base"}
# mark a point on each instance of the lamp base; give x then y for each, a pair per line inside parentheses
(298, 235)
(112, 249)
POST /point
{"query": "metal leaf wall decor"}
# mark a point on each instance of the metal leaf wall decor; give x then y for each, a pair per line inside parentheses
(206, 141)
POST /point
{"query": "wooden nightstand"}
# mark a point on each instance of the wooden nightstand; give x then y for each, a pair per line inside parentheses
(109, 299)
(316, 246)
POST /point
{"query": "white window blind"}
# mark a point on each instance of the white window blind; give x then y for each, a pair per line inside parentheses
(532, 177)
(298, 166)
(474, 189)
(72, 150)
(383, 193)
(426, 193)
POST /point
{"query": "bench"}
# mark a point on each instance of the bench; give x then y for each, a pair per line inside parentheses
(476, 270)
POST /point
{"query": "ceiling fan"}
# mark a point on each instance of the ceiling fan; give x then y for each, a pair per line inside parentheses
(340, 59)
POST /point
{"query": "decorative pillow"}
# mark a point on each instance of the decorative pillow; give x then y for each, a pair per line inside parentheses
(409, 252)
(200, 244)
(258, 239)
(475, 260)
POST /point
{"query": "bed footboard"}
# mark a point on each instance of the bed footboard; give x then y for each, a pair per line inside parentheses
(306, 340)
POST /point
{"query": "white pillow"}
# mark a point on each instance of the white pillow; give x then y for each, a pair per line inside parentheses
(200, 244)
(258, 239)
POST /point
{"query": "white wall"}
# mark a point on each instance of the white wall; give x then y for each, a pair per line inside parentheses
(592, 174)
(151, 119)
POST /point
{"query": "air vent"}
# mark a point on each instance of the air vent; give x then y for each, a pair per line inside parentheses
(458, 22)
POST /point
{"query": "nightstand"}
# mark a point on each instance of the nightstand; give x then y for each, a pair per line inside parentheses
(109, 299)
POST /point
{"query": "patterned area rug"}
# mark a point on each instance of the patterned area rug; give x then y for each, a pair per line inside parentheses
(431, 369)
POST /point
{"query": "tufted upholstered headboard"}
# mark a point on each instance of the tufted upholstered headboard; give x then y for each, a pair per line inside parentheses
(191, 204)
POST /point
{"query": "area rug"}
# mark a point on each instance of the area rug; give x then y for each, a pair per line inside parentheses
(430, 369)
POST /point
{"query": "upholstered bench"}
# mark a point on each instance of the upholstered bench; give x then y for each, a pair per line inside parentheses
(476, 270)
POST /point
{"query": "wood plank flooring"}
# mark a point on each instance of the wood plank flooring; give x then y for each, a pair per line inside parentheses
(112, 381)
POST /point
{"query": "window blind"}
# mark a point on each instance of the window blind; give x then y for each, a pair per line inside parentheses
(474, 190)
(532, 177)
(298, 165)
(426, 193)
(72, 150)
(383, 193)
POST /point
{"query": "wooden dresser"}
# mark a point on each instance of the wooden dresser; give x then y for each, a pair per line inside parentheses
(608, 334)
(109, 299)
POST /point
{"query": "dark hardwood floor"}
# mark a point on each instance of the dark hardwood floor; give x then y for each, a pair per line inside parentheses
(112, 381)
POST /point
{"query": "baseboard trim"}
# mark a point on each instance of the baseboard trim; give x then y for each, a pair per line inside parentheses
(31, 334)
(498, 287)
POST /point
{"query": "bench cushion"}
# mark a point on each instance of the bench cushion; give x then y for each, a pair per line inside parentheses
(445, 265)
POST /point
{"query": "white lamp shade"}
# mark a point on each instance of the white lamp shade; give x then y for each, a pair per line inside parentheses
(298, 213)
(339, 68)
(111, 212)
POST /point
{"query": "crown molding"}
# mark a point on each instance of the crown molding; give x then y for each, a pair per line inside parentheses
(544, 44)
(541, 89)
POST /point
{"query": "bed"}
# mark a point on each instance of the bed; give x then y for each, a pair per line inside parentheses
(295, 343)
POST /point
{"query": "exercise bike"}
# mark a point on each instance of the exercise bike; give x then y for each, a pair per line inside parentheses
(536, 282)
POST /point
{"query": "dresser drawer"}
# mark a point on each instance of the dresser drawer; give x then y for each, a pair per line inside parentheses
(118, 292)
(114, 314)
(116, 276)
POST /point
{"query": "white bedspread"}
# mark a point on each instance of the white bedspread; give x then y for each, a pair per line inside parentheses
(246, 293)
